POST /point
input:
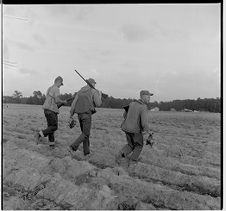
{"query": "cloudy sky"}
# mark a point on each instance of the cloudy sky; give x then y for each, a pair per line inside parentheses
(173, 50)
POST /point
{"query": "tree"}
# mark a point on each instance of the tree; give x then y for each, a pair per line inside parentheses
(37, 94)
(38, 98)
(17, 94)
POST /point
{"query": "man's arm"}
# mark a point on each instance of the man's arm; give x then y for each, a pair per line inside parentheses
(145, 124)
(58, 100)
(124, 114)
(126, 110)
(72, 110)
(56, 94)
(97, 97)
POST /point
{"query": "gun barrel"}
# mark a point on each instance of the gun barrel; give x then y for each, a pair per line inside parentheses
(85, 80)
(80, 75)
(103, 95)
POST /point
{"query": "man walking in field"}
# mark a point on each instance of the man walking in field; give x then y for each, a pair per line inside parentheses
(136, 128)
(84, 105)
(51, 111)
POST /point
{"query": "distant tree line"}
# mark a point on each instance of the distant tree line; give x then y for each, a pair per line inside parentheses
(206, 104)
(37, 99)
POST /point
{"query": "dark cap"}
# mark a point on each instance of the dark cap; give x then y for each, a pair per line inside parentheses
(91, 80)
(59, 78)
(145, 92)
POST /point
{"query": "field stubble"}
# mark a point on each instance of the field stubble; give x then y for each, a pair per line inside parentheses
(181, 171)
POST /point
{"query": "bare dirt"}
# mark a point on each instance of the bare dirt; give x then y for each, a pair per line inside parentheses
(181, 171)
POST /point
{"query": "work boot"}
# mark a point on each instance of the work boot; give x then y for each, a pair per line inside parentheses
(71, 150)
(52, 145)
(87, 156)
(37, 137)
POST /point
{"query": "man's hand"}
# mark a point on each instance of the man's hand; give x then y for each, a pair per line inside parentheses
(61, 103)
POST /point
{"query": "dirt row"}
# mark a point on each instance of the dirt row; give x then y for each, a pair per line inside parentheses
(79, 184)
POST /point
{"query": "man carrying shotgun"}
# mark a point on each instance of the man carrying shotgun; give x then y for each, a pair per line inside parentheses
(136, 128)
(84, 105)
(51, 110)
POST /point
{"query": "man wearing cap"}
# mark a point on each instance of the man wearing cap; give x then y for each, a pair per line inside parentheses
(51, 111)
(84, 105)
(136, 128)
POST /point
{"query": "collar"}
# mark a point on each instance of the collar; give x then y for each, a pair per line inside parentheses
(141, 102)
(55, 86)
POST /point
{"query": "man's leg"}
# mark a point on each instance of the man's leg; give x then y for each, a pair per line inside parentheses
(51, 139)
(138, 143)
(52, 122)
(85, 125)
(128, 148)
(52, 125)
(87, 121)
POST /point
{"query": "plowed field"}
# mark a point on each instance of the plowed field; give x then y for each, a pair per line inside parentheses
(181, 171)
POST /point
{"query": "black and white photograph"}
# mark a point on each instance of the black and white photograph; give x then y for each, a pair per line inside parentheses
(112, 106)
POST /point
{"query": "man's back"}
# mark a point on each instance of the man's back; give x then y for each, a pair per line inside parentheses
(136, 117)
(85, 100)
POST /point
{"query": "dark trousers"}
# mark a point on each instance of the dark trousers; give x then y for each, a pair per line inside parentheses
(52, 124)
(134, 145)
(85, 121)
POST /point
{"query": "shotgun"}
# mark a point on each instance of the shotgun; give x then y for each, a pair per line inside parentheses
(68, 100)
(90, 85)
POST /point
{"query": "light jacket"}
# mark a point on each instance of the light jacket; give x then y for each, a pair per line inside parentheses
(85, 100)
(136, 119)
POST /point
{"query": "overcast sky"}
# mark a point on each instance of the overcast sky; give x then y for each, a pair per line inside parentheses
(172, 50)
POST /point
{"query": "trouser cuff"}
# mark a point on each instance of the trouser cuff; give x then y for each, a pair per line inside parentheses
(73, 147)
